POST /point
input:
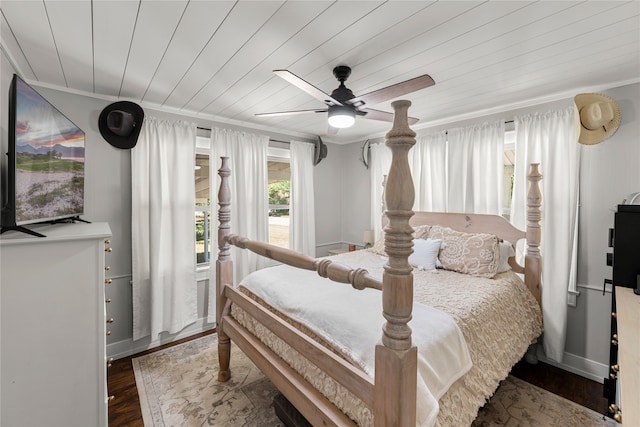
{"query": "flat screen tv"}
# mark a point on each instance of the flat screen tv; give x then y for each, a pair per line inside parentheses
(45, 162)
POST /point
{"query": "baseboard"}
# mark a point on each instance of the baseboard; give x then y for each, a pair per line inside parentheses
(578, 365)
(124, 348)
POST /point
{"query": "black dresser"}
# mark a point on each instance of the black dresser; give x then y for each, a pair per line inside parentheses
(625, 240)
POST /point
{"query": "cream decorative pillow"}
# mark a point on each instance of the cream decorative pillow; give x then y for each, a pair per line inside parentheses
(378, 247)
(420, 232)
(473, 254)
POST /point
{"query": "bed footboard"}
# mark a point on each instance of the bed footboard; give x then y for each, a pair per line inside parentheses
(392, 394)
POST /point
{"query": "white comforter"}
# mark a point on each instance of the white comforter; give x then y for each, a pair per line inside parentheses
(352, 321)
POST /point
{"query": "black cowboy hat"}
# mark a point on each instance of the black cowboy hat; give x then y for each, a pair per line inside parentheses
(320, 151)
(120, 124)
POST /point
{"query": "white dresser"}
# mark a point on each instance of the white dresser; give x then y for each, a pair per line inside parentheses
(53, 326)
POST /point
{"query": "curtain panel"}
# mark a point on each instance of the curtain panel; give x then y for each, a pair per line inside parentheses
(302, 231)
(455, 171)
(378, 170)
(249, 199)
(428, 162)
(550, 139)
(163, 228)
(475, 169)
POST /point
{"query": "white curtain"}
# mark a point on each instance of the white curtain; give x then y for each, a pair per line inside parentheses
(378, 169)
(475, 168)
(302, 236)
(163, 228)
(551, 140)
(428, 163)
(249, 199)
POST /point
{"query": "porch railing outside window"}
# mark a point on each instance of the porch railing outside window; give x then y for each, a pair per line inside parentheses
(202, 210)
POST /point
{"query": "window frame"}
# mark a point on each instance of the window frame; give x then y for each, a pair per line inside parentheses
(203, 268)
(281, 155)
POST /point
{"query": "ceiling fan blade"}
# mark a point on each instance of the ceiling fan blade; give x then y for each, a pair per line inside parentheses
(306, 87)
(393, 91)
(289, 113)
(383, 115)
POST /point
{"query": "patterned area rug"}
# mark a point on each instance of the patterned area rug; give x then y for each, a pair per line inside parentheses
(178, 387)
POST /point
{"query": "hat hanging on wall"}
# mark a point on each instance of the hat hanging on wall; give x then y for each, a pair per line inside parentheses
(120, 124)
(319, 152)
(599, 117)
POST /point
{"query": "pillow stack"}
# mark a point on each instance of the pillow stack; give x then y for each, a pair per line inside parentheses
(476, 254)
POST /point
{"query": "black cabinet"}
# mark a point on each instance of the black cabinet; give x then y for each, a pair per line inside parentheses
(625, 240)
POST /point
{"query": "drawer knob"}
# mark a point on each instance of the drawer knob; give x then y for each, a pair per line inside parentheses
(108, 281)
(109, 362)
(108, 300)
(108, 249)
(613, 376)
(110, 320)
(110, 398)
(614, 342)
(614, 315)
(107, 268)
(106, 242)
(109, 333)
(615, 336)
(613, 408)
(615, 368)
(618, 418)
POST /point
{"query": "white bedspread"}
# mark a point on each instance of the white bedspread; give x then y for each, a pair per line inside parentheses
(352, 321)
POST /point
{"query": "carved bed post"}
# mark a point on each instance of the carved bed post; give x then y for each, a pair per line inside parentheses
(224, 268)
(396, 357)
(532, 262)
(532, 266)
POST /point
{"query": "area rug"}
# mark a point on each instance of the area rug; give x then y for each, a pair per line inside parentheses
(178, 387)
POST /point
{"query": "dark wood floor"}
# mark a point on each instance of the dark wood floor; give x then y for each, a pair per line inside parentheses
(124, 409)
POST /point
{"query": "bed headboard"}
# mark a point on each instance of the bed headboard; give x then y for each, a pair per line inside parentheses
(471, 223)
(499, 226)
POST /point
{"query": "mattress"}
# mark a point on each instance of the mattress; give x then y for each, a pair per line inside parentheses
(498, 318)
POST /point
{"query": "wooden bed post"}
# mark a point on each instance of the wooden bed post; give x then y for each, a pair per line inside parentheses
(533, 265)
(224, 268)
(396, 358)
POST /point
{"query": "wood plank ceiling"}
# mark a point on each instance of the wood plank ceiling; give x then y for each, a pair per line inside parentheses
(214, 59)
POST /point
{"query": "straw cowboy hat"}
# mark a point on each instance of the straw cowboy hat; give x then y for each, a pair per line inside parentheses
(120, 124)
(599, 117)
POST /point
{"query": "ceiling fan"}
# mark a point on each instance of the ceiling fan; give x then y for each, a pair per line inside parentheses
(343, 106)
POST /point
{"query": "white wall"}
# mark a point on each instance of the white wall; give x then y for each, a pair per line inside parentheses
(609, 171)
(328, 205)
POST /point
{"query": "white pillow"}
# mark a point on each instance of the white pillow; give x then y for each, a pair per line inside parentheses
(425, 253)
(506, 251)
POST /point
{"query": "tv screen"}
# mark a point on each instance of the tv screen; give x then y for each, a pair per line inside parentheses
(48, 163)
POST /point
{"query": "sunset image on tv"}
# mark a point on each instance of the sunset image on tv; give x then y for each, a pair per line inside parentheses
(49, 160)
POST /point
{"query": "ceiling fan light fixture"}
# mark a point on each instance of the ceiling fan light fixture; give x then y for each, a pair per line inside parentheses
(341, 116)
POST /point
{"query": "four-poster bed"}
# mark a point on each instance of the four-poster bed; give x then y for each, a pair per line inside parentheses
(398, 379)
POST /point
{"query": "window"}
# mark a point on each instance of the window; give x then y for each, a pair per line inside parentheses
(507, 180)
(202, 209)
(279, 178)
(279, 190)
